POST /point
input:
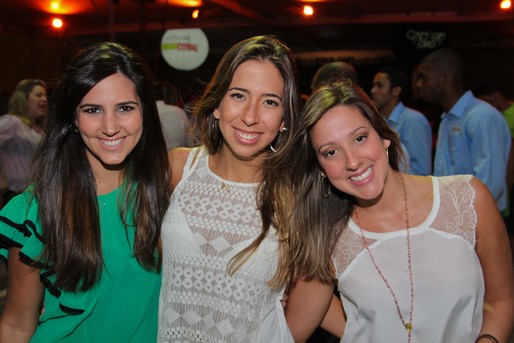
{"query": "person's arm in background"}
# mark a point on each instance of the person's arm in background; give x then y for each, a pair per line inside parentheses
(493, 249)
(23, 301)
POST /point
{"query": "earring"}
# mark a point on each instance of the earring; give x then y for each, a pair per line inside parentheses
(213, 120)
(387, 151)
(272, 148)
(283, 129)
(325, 186)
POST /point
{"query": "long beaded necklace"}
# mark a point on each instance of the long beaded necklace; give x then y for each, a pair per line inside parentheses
(407, 325)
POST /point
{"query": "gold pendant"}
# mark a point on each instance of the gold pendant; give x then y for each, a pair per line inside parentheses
(408, 327)
(224, 186)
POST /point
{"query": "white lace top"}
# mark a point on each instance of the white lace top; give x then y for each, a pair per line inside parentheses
(204, 227)
(448, 280)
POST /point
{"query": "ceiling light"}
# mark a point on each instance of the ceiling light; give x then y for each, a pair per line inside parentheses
(55, 5)
(184, 3)
(57, 23)
(505, 4)
(195, 14)
(308, 10)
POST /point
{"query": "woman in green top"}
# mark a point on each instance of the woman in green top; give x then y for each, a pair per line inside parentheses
(82, 244)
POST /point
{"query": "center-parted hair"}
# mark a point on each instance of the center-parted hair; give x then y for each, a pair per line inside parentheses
(65, 187)
(272, 207)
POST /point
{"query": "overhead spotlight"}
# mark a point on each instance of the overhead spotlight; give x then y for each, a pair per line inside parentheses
(57, 23)
(505, 4)
(308, 10)
(195, 14)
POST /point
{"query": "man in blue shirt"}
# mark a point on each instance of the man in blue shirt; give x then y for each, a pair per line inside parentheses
(473, 136)
(412, 126)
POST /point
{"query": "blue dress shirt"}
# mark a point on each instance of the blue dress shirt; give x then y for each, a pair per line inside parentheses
(474, 138)
(416, 135)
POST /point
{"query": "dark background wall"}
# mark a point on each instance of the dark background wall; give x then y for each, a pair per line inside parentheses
(368, 47)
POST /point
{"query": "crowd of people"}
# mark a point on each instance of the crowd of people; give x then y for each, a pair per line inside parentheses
(265, 215)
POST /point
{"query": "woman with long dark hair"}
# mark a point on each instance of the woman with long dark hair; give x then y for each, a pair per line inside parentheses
(82, 243)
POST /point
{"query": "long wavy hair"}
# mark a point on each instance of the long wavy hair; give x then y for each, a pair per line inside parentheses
(65, 187)
(264, 48)
(318, 218)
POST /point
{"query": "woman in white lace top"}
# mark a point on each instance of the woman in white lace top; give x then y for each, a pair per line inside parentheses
(223, 249)
(415, 259)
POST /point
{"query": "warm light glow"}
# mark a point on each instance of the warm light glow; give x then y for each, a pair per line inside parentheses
(59, 7)
(55, 5)
(57, 23)
(195, 14)
(308, 10)
(505, 4)
(184, 3)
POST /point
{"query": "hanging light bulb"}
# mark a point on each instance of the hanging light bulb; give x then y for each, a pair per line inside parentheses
(195, 14)
(505, 4)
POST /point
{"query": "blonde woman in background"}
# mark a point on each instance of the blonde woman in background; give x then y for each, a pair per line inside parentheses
(20, 133)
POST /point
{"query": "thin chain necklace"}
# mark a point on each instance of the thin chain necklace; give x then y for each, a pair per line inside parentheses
(407, 325)
(227, 186)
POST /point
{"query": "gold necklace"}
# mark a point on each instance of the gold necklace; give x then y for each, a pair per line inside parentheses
(226, 186)
(407, 325)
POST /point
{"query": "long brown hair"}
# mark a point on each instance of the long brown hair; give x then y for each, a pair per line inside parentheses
(64, 184)
(318, 217)
(271, 49)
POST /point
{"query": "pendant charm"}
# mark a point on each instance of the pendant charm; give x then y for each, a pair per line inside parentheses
(224, 186)
(408, 327)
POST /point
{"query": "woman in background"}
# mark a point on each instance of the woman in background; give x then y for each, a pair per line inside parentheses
(82, 243)
(20, 134)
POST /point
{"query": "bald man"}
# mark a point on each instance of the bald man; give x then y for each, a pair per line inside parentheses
(473, 136)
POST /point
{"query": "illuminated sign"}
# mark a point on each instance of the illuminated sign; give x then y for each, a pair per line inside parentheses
(184, 49)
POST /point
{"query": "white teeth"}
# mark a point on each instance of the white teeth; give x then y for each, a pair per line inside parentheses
(112, 143)
(362, 176)
(247, 136)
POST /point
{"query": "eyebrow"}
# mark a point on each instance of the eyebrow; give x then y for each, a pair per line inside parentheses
(351, 133)
(130, 102)
(246, 91)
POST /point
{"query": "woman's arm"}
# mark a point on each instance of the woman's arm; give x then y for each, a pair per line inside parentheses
(335, 319)
(307, 304)
(494, 252)
(23, 302)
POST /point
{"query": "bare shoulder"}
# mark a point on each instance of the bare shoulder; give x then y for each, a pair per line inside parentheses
(177, 158)
(179, 155)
